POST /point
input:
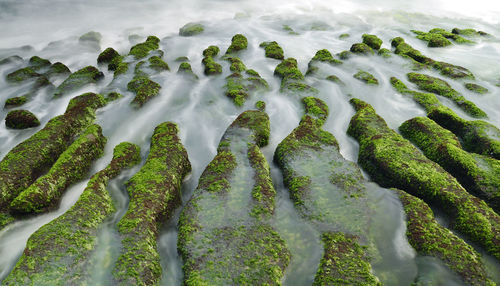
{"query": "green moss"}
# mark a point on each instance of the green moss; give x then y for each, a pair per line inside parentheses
(361, 48)
(344, 36)
(141, 50)
(326, 57)
(392, 161)
(345, 55)
(441, 87)
(211, 67)
(452, 71)
(58, 69)
(144, 89)
(191, 29)
(154, 194)
(334, 78)
(476, 88)
(112, 96)
(37, 63)
(182, 59)
(157, 64)
(59, 250)
(15, 101)
(480, 175)
(344, 262)
(260, 105)
(316, 108)
(185, 69)
(366, 77)
(429, 238)
(272, 50)
(385, 53)
(238, 43)
(21, 75)
(236, 89)
(469, 32)
(79, 79)
(71, 166)
(236, 64)
(21, 119)
(372, 41)
(107, 56)
(211, 51)
(439, 37)
(5, 219)
(288, 69)
(290, 30)
(33, 157)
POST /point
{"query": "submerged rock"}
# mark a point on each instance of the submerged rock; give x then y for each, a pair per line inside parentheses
(224, 233)
(191, 29)
(38, 63)
(272, 50)
(15, 101)
(292, 79)
(156, 63)
(59, 250)
(154, 194)
(71, 166)
(479, 174)
(429, 238)
(21, 119)
(365, 77)
(79, 79)
(185, 69)
(22, 74)
(91, 37)
(476, 88)
(58, 69)
(393, 161)
(144, 89)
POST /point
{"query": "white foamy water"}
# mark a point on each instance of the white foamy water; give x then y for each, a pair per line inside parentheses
(51, 28)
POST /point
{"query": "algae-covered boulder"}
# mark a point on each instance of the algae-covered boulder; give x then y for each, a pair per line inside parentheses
(37, 63)
(79, 79)
(34, 156)
(479, 174)
(292, 79)
(15, 101)
(385, 53)
(224, 233)
(107, 56)
(21, 119)
(362, 49)
(22, 74)
(372, 41)
(468, 32)
(211, 67)
(366, 77)
(438, 37)
(272, 50)
(141, 50)
(324, 56)
(191, 29)
(393, 161)
(185, 69)
(144, 89)
(59, 251)
(158, 64)
(238, 43)
(476, 88)
(58, 69)
(71, 166)
(91, 37)
(429, 238)
(154, 194)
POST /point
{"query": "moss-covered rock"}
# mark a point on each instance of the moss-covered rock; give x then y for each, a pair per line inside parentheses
(37, 63)
(15, 101)
(224, 234)
(334, 78)
(154, 194)
(211, 67)
(34, 156)
(236, 64)
(11, 59)
(5, 219)
(21, 119)
(107, 56)
(191, 29)
(429, 238)
(273, 50)
(260, 105)
(439, 37)
(365, 77)
(59, 250)
(344, 262)
(185, 69)
(393, 161)
(58, 69)
(112, 96)
(236, 89)
(141, 50)
(362, 49)
(468, 32)
(182, 59)
(321, 56)
(238, 43)
(91, 37)
(22, 74)
(344, 36)
(71, 166)
(211, 51)
(79, 79)
(345, 55)
(292, 79)
(441, 87)
(479, 174)
(372, 41)
(385, 53)
(156, 63)
(476, 88)
(144, 89)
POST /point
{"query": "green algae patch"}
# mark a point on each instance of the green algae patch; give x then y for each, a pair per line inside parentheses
(335, 79)
(79, 79)
(239, 87)
(22, 74)
(292, 79)
(345, 55)
(224, 234)
(372, 41)
(393, 161)
(441, 87)
(211, 67)
(479, 174)
(316, 108)
(58, 69)
(144, 89)
(469, 32)
(71, 166)
(260, 105)
(34, 156)
(366, 77)
(344, 36)
(429, 238)
(344, 262)
(385, 53)
(323, 56)
(238, 43)
(428, 101)
(21, 119)
(15, 101)
(236, 64)
(154, 194)
(156, 63)
(236, 89)
(112, 96)
(476, 88)
(5, 219)
(440, 38)
(37, 62)
(59, 250)
(141, 50)
(361, 49)
(107, 56)
(273, 50)
(191, 29)
(185, 69)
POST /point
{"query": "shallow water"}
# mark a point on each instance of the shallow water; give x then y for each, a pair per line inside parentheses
(50, 29)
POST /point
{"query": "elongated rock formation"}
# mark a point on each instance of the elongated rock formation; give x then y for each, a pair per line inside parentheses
(34, 156)
(479, 174)
(154, 194)
(224, 234)
(292, 79)
(71, 166)
(393, 161)
(431, 239)
(57, 251)
(330, 192)
(79, 79)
